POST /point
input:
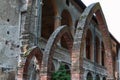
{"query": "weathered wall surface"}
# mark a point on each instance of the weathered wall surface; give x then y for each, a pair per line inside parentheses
(9, 45)
(9, 32)
(9, 11)
(16, 27)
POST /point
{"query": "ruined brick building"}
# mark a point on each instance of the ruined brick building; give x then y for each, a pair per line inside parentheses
(37, 36)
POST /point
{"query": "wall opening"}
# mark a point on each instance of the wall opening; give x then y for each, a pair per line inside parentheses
(67, 2)
(66, 20)
(97, 50)
(89, 76)
(48, 19)
(103, 55)
(89, 45)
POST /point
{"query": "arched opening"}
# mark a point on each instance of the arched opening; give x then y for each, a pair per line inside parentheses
(97, 77)
(48, 18)
(89, 45)
(33, 70)
(97, 50)
(66, 20)
(89, 76)
(103, 54)
(85, 19)
(51, 46)
(33, 65)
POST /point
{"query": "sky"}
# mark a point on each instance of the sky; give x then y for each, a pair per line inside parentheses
(111, 12)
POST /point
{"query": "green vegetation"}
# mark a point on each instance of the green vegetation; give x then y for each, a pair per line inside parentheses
(61, 74)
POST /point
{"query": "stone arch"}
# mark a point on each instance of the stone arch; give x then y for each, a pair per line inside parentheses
(36, 52)
(49, 18)
(85, 18)
(50, 48)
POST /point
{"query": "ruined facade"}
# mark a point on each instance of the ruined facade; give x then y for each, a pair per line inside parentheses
(36, 36)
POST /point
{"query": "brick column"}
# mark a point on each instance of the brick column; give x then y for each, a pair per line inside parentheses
(19, 74)
(77, 66)
(44, 77)
(20, 69)
(44, 74)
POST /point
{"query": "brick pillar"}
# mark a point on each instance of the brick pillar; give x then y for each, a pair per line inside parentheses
(20, 69)
(44, 75)
(77, 57)
(20, 74)
(109, 65)
(77, 66)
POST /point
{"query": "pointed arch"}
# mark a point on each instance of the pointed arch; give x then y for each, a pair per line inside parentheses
(36, 52)
(66, 18)
(50, 48)
(85, 18)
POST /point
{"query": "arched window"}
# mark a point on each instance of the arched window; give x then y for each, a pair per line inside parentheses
(97, 50)
(89, 76)
(89, 45)
(103, 54)
(48, 19)
(66, 20)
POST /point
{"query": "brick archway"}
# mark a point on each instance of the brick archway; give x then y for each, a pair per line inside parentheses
(36, 52)
(50, 48)
(77, 56)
